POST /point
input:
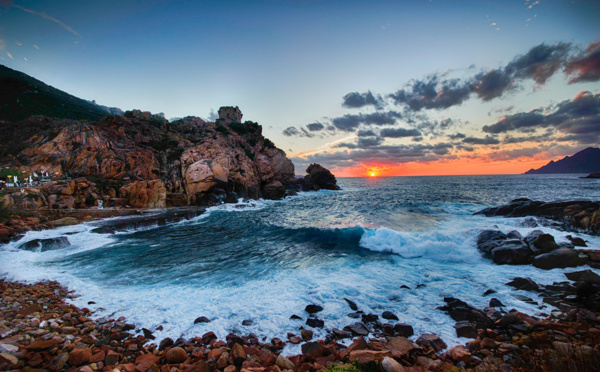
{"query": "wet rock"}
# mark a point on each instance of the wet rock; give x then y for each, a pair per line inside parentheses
(44, 245)
(176, 355)
(460, 310)
(494, 302)
(357, 329)
(315, 323)
(313, 309)
(559, 258)
(434, 341)
(576, 241)
(525, 284)
(320, 178)
(460, 354)
(201, 319)
(352, 304)
(313, 350)
(389, 315)
(341, 333)
(404, 330)
(358, 344)
(232, 339)
(369, 318)
(587, 276)
(306, 334)
(488, 292)
(208, 337)
(354, 315)
(465, 329)
(401, 346)
(296, 317)
(167, 342)
(543, 243)
(247, 322)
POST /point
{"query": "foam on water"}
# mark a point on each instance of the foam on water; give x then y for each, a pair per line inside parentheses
(272, 258)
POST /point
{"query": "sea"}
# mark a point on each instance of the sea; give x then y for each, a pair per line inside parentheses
(398, 244)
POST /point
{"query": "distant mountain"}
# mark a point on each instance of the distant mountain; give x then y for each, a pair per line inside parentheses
(22, 96)
(585, 161)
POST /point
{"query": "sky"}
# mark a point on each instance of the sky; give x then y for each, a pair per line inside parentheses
(391, 88)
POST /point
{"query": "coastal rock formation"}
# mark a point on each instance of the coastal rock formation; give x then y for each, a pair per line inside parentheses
(143, 161)
(585, 161)
(320, 178)
(578, 214)
(537, 248)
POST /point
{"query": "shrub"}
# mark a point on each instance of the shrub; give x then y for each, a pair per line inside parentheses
(249, 154)
(6, 213)
(222, 129)
(269, 144)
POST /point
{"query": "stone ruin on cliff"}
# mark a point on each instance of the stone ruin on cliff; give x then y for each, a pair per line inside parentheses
(230, 113)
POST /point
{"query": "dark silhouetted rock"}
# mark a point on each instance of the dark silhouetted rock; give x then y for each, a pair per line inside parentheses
(525, 284)
(586, 276)
(560, 258)
(357, 329)
(494, 302)
(389, 315)
(315, 323)
(459, 311)
(429, 339)
(404, 330)
(201, 319)
(465, 329)
(352, 304)
(320, 178)
(576, 241)
(585, 161)
(313, 309)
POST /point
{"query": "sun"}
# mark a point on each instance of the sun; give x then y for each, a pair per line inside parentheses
(372, 174)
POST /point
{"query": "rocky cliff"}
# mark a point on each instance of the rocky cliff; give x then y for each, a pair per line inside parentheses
(585, 161)
(142, 160)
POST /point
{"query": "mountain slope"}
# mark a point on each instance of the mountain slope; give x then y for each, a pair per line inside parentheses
(22, 96)
(585, 161)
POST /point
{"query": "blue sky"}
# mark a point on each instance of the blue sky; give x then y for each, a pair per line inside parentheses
(290, 63)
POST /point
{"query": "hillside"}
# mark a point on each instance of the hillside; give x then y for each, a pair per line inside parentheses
(585, 161)
(22, 96)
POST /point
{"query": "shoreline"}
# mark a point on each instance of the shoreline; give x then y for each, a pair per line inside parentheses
(40, 330)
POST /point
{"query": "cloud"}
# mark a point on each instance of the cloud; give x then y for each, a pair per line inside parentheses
(399, 132)
(432, 93)
(349, 123)
(36, 47)
(457, 136)
(290, 132)
(488, 140)
(358, 100)
(43, 15)
(315, 127)
(578, 118)
(539, 63)
(585, 67)
(9, 55)
(295, 132)
(366, 133)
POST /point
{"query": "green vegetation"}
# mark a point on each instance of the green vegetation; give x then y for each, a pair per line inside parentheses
(238, 127)
(221, 128)
(165, 144)
(4, 173)
(354, 367)
(269, 144)
(175, 154)
(249, 153)
(6, 213)
(22, 96)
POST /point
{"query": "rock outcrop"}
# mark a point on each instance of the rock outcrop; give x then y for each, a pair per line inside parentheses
(578, 214)
(141, 160)
(536, 248)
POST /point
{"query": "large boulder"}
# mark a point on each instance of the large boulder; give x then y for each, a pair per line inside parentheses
(559, 258)
(145, 194)
(504, 249)
(320, 178)
(273, 190)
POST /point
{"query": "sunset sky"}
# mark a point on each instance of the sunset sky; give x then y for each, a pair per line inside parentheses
(420, 87)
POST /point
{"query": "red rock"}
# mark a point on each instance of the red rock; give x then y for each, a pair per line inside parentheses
(326, 361)
(215, 353)
(357, 344)
(112, 358)
(285, 363)
(268, 359)
(460, 354)
(176, 355)
(85, 369)
(488, 343)
(10, 360)
(401, 346)
(42, 344)
(229, 369)
(391, 365)
(250, 350)
(129, 367)
(238, 354)
(295, 340)
(98, 357)
(79, 356)
(367, 356)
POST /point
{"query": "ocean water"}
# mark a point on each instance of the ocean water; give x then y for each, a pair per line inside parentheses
(266, 260)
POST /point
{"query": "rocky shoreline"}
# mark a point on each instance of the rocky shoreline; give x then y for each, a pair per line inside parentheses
(41, 331)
